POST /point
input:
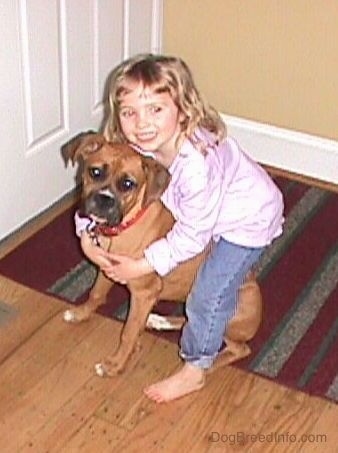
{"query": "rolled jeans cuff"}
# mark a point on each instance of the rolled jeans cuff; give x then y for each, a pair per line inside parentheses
(204, 362)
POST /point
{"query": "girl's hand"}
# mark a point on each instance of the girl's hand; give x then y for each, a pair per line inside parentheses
(122, 268)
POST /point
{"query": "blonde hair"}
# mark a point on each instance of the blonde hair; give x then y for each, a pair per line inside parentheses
(163, 74)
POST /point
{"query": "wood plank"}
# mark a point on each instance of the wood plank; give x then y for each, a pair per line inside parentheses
(154, 425)
(33, 310)
(37, 357)
(245, 412)
(178, 424)
(96, 435)
(68, 405)
(215, 400)
(294, 417)
(130, 407)
(72, 416)
(147, 423)
(33, 410)
(75, 413)
(229, 398)
(323, 435)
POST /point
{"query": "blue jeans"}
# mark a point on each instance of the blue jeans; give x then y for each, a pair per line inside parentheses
(212, 301)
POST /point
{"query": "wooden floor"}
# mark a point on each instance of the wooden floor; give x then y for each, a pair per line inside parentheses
(51, 401)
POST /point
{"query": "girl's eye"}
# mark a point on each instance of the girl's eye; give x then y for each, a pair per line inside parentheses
(96, 173)
(126, 113)
(155, 109)
(126, 184)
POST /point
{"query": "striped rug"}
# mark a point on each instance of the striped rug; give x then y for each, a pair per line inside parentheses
(297, 344)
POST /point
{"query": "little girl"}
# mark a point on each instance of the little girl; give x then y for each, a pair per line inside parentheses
(216, 193)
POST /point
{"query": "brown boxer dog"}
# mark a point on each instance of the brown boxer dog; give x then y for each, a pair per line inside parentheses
(121, 190)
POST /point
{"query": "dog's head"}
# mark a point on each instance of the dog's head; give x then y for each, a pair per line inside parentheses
(116, 179)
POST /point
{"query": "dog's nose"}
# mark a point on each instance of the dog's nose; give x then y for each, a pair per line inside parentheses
(104, 205)
(104, 200)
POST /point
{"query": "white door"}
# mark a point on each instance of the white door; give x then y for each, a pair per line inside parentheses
(55, 57)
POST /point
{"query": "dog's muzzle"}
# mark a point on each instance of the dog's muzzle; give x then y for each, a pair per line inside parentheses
(105, 206)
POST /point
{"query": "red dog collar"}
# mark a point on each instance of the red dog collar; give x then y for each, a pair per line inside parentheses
(106, 230)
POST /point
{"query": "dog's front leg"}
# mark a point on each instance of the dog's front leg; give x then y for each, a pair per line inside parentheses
(141, 303)
(97, 297)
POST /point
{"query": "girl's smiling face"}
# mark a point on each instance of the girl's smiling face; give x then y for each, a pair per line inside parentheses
(150, 120)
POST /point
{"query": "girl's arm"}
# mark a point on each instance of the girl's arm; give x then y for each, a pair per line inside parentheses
(196, 212)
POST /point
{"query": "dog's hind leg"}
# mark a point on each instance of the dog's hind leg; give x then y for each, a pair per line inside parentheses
(97, 297)
(232, 352)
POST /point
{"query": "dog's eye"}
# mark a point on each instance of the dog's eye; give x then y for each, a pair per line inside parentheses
(96, 173)
(126, 184)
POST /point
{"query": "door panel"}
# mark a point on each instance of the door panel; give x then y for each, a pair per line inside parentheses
(55, 58)
(40, 66)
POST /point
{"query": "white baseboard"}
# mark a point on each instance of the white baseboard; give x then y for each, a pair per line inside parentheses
(289, 150)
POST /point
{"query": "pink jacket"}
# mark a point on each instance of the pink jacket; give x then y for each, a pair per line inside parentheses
(221, 194)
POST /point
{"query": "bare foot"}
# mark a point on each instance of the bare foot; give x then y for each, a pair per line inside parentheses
(187, 380)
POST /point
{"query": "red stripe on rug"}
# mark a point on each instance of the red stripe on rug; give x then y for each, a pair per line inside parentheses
(282, 287)
(308, 347)
(322, 380)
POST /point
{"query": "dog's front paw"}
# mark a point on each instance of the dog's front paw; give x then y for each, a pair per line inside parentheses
(69, 316)
(108, 368)
(100, 370)
(75, 315)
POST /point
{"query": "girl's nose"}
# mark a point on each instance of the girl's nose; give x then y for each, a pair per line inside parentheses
(142, 119)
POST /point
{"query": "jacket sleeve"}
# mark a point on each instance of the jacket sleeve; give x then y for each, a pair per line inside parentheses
(196, 211)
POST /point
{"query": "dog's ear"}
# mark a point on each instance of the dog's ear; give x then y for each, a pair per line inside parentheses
(85, 142)
(158, 179)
